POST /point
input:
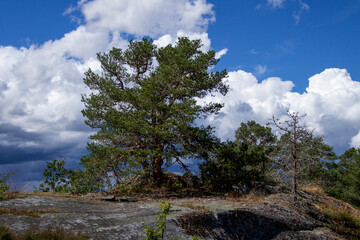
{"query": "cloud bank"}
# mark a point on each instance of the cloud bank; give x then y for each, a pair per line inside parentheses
(331, 103)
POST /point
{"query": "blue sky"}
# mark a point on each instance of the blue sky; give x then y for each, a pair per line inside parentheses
(325, 36)
(271, 49)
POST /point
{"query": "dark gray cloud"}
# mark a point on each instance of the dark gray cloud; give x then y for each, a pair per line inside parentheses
(28, 152)
(16, 155)
(31, 161)
(19, 109)
(12, 134)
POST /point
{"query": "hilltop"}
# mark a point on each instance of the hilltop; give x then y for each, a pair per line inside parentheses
(251, 216)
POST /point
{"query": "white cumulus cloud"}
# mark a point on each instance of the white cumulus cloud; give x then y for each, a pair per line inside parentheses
(249, 99)
(331, 103)
(144, 17)
(221, 53)
(355, 141)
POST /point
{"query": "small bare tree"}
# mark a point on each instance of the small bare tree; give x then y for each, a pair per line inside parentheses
(298, 149)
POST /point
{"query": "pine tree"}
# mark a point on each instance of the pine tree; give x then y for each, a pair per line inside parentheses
(144, 105)
(259, 142)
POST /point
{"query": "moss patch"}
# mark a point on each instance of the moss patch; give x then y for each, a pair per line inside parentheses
(26, 212)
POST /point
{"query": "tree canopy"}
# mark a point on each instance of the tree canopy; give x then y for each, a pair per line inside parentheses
(144, 105)
(259, 141)
(241, 160)
(343, 178)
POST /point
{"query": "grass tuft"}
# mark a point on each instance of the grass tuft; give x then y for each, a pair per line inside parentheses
(25, 212)
(313, 188)
(195, 206)
(47, 234)
(51, 194)
(346, 219)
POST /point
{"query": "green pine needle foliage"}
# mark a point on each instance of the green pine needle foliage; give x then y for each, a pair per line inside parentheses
(144, 105)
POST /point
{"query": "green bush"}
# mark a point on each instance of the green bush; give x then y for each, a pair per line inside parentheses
(157, 232)
(4, 186)
(59, 179)
(55, 176)
(84, 182)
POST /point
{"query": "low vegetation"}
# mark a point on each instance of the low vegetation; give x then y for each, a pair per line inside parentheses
(26, 212)
(195, 206)
(157, 232)
(346, 219)
(47, 234)
(5, 191)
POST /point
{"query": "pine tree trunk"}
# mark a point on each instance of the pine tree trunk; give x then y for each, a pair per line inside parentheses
(158, 174)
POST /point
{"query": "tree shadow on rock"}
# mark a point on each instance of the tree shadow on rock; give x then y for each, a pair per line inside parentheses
(235, 224)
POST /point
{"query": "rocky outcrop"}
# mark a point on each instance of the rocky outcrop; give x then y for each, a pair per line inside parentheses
(271, 217)
(274, 218)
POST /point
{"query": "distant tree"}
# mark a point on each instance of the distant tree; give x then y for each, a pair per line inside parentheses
(144, 105)
(259, 142)
(343, 178)
(298, 148)
(224, 167)
(244, 159)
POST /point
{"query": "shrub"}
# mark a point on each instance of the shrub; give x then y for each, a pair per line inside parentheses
(59, 179)
(244, 159)
(84, 182)
(56, 176)
(157, 232)
(4, 186)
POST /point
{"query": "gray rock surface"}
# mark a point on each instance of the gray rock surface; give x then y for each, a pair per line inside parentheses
(272, 217)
